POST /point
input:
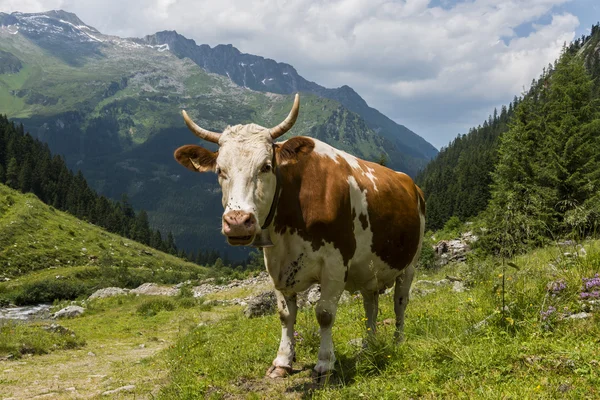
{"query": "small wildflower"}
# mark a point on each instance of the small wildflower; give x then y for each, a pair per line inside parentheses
(556, 287)
(547, 313)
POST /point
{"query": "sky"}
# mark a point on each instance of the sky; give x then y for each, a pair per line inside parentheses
(438, 67)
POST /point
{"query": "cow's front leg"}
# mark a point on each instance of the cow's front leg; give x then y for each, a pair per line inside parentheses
(282, 365)
(326, 308)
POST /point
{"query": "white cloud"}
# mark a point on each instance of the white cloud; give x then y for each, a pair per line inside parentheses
(427, 67)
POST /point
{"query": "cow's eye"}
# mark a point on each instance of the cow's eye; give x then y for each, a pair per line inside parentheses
(218, 171)
(266, 168)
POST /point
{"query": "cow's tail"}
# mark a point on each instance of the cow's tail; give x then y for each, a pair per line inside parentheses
(421, 197)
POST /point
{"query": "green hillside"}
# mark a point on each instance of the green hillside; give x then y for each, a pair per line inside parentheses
(39, 243)
(537, 158)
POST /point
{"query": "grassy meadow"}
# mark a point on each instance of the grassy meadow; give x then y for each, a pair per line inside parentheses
(185, 348)
(458, 344)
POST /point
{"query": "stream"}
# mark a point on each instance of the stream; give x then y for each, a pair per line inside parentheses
(25, 313)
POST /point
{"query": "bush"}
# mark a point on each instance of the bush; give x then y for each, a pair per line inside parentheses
(49, 290)
(152, 307)
(427, 258)
(187, 302)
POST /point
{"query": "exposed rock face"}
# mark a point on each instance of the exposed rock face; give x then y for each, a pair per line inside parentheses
(456, 249)
(152, 289)
(262, 304)
(69, 312)
(108, 292)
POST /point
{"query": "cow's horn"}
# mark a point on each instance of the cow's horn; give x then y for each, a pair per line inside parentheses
(287, 123)
(200, 132)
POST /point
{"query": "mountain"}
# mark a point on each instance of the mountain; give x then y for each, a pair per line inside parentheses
(266, 75)
(112, 107)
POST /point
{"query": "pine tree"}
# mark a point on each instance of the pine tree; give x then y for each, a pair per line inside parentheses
(12, 174)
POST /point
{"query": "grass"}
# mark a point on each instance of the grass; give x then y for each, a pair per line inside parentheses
(17, 340)
(514, 354)
(45, 251)
(119, 347)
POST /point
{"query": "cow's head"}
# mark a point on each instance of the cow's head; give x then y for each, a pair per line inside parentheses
(245, 164)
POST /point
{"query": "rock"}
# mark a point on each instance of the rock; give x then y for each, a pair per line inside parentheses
(458, 287)
(581, 315)
(69, 312)
(357, 342)
(56, 328)
(91, 354)
(108, 292)
(421, 292)
(262, 304)
(182, 284)
(127, 388)
(152, 289)
(567, 243)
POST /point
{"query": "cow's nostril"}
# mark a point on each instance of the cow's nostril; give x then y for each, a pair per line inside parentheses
(249, 222)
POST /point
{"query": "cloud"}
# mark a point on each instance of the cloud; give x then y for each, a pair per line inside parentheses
(427, 66)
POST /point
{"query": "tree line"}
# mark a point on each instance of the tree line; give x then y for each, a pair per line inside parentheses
(531, 171)
(26, 164)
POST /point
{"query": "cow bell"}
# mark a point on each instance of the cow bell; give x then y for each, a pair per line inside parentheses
(263, 240)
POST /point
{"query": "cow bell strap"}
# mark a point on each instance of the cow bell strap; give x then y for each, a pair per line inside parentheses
(275, 201)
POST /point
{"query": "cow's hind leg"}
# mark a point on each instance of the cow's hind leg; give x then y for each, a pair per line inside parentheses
(326, 308)
(282, 365)
(371, 304)
(401, 295)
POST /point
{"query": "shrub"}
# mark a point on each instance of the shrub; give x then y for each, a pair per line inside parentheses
(427, 258)
(49, 290)
(152, 307)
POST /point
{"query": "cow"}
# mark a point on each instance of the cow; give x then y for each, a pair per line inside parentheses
(321, 216)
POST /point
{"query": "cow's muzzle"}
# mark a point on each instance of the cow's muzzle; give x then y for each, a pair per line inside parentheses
(239, 227)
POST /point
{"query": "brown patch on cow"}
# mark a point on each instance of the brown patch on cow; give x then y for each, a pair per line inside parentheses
(292, 150)
(364, 221)
(196, 158)
(393, 214)
(315, 202)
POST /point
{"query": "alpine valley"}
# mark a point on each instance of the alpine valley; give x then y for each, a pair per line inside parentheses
(111, 106)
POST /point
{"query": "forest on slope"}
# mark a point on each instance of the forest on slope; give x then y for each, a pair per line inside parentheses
(534, 167)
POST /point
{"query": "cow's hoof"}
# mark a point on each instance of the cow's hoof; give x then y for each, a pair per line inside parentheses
(278, 372)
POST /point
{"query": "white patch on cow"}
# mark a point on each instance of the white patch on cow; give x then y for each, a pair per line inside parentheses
(325, 150)
(369, 174)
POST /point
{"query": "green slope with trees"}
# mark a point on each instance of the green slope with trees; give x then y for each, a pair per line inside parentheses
(534, 165)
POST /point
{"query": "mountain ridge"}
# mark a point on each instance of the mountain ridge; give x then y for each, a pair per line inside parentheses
(265, 74)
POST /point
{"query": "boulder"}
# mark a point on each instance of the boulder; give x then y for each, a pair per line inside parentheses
(108, 292)
(69, 312)
(152, 289)
(264, 303)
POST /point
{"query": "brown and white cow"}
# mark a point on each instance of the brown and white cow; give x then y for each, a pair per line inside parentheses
(333, 219)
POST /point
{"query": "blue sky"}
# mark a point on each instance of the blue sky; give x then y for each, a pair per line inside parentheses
(437, 66)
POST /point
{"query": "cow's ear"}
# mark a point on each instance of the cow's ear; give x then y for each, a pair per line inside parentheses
(293, 149)
(196, 158)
